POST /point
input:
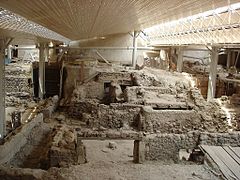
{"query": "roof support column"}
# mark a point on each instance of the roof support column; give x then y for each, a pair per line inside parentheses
(180, 60)
(134, 53)
(212, 74)
(228, 58)
(233, 58)
(41, 74)
(9, 52)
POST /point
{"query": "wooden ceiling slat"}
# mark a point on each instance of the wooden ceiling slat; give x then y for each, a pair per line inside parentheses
(81, 19)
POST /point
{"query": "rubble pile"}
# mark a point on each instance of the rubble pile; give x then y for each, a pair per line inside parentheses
(213, 118)
(156, 97)
(175, 82)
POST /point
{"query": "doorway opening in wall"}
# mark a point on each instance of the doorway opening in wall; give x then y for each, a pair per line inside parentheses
(106, 87)
(191, 155)
(109, 151)
(106, 99)
(123, 87)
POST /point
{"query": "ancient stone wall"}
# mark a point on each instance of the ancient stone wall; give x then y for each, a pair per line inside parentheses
(169, 121)
(113, 116)
(120, 77)
(17, 84)
(95, 88)
(65, 148)
(13, 145)
(165, 147)
(118, 116)
(220, 139)
(90, 90)
(137, 94)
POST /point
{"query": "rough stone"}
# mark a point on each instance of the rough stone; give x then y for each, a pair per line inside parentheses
(112, 145)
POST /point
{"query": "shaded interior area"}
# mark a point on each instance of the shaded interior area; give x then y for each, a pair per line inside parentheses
(125, 90)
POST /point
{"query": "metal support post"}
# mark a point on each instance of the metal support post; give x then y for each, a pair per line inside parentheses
(228, 59)
(134, 53)
(9, 52)
(212, 74)
(180, 60)
(41, 74)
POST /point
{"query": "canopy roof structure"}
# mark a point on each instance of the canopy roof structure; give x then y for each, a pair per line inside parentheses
(66, 20)
(13, 25)
(218, 26)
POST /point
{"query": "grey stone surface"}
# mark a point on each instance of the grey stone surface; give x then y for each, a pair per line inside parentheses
(13, 145)
(169, 121)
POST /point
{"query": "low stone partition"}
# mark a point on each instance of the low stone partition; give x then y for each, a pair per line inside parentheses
(220, 139)
(7, 173)
(165, 147)
(118, 116)
(136, 94)
(157, 97)
(168, 121)
(114, 116)
(109, 134)
(14, 143)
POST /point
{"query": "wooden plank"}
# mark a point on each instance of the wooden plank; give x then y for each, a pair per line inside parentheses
(222, 167)
(231, 152)
(236, 150)
(228, 160)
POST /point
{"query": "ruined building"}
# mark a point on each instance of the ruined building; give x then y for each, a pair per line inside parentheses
(121, 90)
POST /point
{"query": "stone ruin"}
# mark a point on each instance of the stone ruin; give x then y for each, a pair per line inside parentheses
(164, 108)
(65, 148)
(151, 103)
(161, 111)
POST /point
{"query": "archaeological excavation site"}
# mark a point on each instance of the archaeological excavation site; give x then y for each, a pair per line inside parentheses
(119, 90)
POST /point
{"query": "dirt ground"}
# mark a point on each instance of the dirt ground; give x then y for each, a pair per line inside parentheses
(116, 164)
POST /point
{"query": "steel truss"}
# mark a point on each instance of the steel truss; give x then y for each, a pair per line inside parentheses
(212, 27)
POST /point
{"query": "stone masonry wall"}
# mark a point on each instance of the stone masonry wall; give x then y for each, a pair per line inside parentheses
(118, 116)
(169, 121)
(65, 148)
(135, 94)
(17, 84)
(165, 147)
(13, 145)
(113, 116)
(120, 77)
(220, 139)
(94, 89)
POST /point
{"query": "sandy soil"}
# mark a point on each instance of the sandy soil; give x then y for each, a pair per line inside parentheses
(105, 163)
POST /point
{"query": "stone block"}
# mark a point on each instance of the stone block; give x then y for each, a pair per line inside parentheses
(139, 151)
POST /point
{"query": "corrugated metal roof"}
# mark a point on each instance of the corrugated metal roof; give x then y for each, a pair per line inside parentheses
(81, 19)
